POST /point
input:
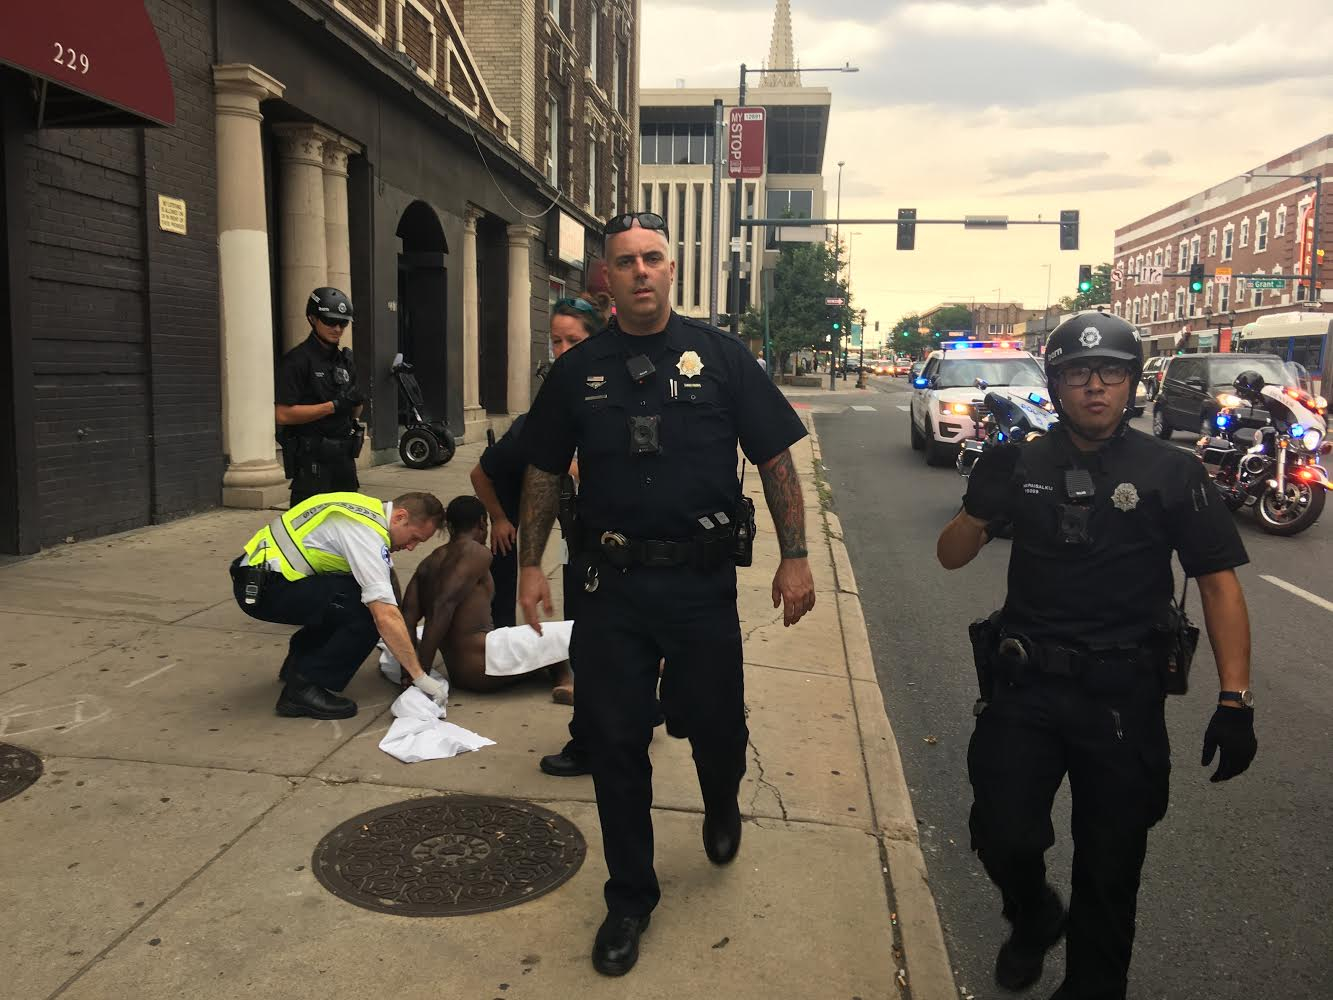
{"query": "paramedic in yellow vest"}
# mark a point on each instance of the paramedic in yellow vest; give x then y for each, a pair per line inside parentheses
(325, 565)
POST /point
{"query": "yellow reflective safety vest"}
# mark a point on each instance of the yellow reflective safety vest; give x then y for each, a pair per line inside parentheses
(284, 538)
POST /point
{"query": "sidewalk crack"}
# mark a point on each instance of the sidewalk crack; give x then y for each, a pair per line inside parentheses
(762, 779)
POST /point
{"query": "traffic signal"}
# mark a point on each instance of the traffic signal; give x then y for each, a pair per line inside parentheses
(1069, 229)
(907, 229)
(1196, 278)
(1084, 278)
(836, 325)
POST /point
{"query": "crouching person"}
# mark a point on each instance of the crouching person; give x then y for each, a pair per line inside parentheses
(325, 566)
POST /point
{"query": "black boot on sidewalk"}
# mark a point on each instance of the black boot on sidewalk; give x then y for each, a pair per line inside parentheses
(300, 699)
(568, 763)
(1019, 963)
(722, 832)
(617, 946)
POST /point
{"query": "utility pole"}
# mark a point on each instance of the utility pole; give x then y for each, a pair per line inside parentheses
(713, 255)
(734, 278)
(837, 284)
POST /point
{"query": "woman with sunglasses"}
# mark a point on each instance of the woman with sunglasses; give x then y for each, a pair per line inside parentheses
(497, 479)
(317, 403)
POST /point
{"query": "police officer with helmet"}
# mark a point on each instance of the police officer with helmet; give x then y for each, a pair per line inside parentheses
(1075, 668)
(318, 403)
(655, 406)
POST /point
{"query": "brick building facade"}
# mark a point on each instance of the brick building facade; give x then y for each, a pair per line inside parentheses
(1251, 224)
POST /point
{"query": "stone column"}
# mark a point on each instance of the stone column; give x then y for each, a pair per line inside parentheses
(253, 477)
(474, 417)
(338, 252)
(302, 248)
(519, 394)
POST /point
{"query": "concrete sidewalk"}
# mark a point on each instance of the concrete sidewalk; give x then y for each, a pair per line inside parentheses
(166, 850)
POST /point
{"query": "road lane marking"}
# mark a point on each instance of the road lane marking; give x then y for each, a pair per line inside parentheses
(149, 677)
(903, 408)
(1291, 588)
(864, 409)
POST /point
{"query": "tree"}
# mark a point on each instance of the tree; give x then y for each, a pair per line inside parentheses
(797, 316)
(1100, 293)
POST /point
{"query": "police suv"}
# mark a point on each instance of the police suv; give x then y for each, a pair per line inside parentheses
(947, 395)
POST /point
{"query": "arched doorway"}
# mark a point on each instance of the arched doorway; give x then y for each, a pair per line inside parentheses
(422, 303)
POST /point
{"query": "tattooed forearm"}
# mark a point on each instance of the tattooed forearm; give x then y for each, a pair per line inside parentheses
(541, 502)
(782, 489)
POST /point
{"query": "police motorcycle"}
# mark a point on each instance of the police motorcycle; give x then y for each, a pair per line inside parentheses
(1265, 453)
(1004, 415)
(424, 442)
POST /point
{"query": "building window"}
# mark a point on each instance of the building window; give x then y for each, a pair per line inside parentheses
(593, 40)
(1261, 234)
(617, 78)
(1256, 294)
(1228, 242)
(676, 143)
(1244, 232)
(1212, 243)
(592, 176)
(615, 188)
(1117, 309)
(680, 245)
(1193, 302)
(1183, 257)
(1240, 292)
(1194, 251)
(553, 142)
(1208, 295)
(1281, 221)
(1156, 306)
(1180, 304)
(553, 8)
(783, 203)
(1138, 265)
(698, 243)
(1223, 297)
(1136, 311)
(1157, 258)
(646, 205)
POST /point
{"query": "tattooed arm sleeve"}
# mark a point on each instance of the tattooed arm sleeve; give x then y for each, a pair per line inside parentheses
(541, 502)
(782, 489)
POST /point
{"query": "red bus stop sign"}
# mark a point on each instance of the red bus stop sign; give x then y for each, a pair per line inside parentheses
(745, 142)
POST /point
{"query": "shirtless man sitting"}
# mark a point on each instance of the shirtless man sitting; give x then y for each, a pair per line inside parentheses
(452, 589)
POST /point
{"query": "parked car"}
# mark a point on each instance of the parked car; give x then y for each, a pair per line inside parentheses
(1187, 400)
(1153, 370)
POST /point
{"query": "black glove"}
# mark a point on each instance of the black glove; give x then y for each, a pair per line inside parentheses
(1232, 730)
(347, 401)
(988, 487)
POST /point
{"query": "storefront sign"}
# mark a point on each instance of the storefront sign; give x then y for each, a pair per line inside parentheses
(569, 242)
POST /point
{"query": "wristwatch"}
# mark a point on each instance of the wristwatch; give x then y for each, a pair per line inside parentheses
(1245, 697)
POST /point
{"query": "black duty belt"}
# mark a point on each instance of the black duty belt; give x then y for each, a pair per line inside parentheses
(623, 552)
(1066, 661)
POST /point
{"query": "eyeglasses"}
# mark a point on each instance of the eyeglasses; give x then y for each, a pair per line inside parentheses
(341, 324)
(580, 304)
(646, 220)
(1111, 373)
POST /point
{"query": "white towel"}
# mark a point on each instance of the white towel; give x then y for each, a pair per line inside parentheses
(419, 732)
(520, 650)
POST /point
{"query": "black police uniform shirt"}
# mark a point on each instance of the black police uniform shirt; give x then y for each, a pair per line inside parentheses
(312, 372)
(504, 465)
(1151, 499)
(709, 395)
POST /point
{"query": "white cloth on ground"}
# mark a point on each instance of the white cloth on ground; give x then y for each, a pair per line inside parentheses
(419, 731)
(520, 650)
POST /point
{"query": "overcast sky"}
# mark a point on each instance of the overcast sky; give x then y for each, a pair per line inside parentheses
(1021, 109)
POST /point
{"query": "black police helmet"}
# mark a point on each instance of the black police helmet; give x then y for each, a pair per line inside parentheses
(1092, 335)
(328, 304)
(1249, 381)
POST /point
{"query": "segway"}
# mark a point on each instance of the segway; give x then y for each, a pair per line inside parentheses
(425, 442)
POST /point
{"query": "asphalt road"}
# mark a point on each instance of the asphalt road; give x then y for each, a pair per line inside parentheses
(1237, 894)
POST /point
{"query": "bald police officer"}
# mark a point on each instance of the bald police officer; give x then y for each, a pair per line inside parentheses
(1082, 654)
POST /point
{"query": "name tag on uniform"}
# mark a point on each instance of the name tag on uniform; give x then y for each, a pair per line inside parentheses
(601, 396)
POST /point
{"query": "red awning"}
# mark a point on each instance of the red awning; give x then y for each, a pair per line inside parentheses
(97, 62)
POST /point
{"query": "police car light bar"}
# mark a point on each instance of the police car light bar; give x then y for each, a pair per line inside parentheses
(956, 345)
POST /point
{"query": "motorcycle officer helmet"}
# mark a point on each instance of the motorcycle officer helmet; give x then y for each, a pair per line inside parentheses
(329, 304)
(1090, 336)
(1249, 381)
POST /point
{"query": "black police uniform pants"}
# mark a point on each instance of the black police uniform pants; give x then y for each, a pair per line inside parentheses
(622, 630)
(1107, 731)
(332, 475)
(337, 631)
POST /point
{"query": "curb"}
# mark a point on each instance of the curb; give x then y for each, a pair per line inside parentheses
(925, 972)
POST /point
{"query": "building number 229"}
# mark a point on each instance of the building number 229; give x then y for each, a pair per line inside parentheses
(70, 58)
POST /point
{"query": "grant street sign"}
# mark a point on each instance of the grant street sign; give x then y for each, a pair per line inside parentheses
(1270, 283)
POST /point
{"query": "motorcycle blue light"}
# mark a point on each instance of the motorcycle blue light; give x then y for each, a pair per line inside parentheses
(1297, 430)
(1034, 397)
(1223, 420)
(999, 435)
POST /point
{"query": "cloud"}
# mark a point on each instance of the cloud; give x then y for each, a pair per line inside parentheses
(1157, 158)
(1083, 185)
(1036, 161)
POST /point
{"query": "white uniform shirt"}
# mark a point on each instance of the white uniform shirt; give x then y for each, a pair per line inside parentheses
(363, 549)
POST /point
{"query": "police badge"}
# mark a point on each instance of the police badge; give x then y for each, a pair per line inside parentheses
(1125, 497)
(690, 364)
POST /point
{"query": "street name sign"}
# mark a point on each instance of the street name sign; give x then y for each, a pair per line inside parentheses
(834, 302)
(1268, 283)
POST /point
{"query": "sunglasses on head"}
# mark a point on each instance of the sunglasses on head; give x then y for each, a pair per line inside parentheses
(579, 304)
(646, 220)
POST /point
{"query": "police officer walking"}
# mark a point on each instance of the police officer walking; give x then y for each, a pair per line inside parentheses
(325, 566)
(318, 403)
(1076, 666)
(655, 406)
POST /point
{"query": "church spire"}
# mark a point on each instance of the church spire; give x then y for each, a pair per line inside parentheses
(781, 51)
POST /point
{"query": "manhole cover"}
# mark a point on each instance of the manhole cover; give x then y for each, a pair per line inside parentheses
(19, 768)
(448, 856)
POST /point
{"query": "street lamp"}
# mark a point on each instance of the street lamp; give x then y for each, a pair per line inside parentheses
(736, 199)
(860, 375)
(837, 283)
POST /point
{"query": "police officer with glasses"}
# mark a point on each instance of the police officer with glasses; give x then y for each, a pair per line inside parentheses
(655, 406)
(1075, 668)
